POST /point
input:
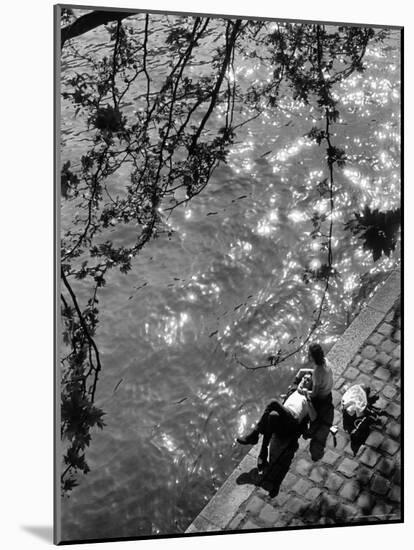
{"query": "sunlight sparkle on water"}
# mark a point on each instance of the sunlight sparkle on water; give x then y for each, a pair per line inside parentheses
(268, 225)
(291, 151)
(315, 264)
(297, 216)
(211, 378)
(172, 332)
(239, 250)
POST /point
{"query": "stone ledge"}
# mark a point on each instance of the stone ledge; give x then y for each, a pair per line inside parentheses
(343, 351)
(221, 509)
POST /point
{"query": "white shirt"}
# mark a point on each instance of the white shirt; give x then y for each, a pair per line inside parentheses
(298, 405)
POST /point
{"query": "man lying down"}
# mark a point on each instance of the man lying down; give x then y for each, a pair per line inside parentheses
(286, 421)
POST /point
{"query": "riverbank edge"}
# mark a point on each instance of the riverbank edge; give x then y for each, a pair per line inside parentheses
(219, 512)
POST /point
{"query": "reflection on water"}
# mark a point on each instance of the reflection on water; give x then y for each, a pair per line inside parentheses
(228, 280)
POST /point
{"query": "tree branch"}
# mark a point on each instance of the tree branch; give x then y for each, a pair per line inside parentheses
(90, 21)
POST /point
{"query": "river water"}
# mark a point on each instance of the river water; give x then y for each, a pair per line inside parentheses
(229, 280)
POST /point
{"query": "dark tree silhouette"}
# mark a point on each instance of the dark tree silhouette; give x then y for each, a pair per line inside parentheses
(90, 21)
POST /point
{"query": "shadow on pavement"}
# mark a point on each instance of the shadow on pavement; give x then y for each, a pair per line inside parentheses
(282, 453)
(320, 430)
(273, 476)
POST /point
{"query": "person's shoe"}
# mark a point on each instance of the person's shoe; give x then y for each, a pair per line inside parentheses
(250, 439)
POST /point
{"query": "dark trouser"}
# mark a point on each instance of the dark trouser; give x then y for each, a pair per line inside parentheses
(320, 404)
(276, 419)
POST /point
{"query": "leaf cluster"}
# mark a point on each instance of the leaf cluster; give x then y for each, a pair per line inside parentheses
(378, 230)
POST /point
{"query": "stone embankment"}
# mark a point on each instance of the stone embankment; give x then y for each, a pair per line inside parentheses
(326, 480)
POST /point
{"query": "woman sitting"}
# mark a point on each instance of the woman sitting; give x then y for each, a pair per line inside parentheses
(322, 378)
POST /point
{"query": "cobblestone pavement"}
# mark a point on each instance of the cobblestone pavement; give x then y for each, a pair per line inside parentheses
(324, 480)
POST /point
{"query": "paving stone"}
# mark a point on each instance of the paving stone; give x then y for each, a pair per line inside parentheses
(375, 439)
(382, 373)
(385, 329)
(347, 512)
(394, 410)
(333, 482)
(311, 517)
(262, 493)
(395, 494)
(281, 498)
(396, 478)
(254, 504)
(350, 490)
(342, 440)
(289, 479)
(380, 485)
(388, 346)
(347, 467)
(367, 366)
(313, 494)
(377, 385)
(386, 467)
(383, 358)
(397, 352)
(364, 475)
(369, 457)
(363, 379)
(389, 446)
(365, 502)
(356, 360)
(303, 467)
(269, 514)
(375, 338)
(336, 420)
(282, 522)
(381, 403)
(351, 373)
(381, 510)
(368, 352)
(397, 336)
(318, 474)
(250, 525)
(294, 505)
(336, 398)
(302, 486)
(330, 457)
(389, 391)
(351, 453)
